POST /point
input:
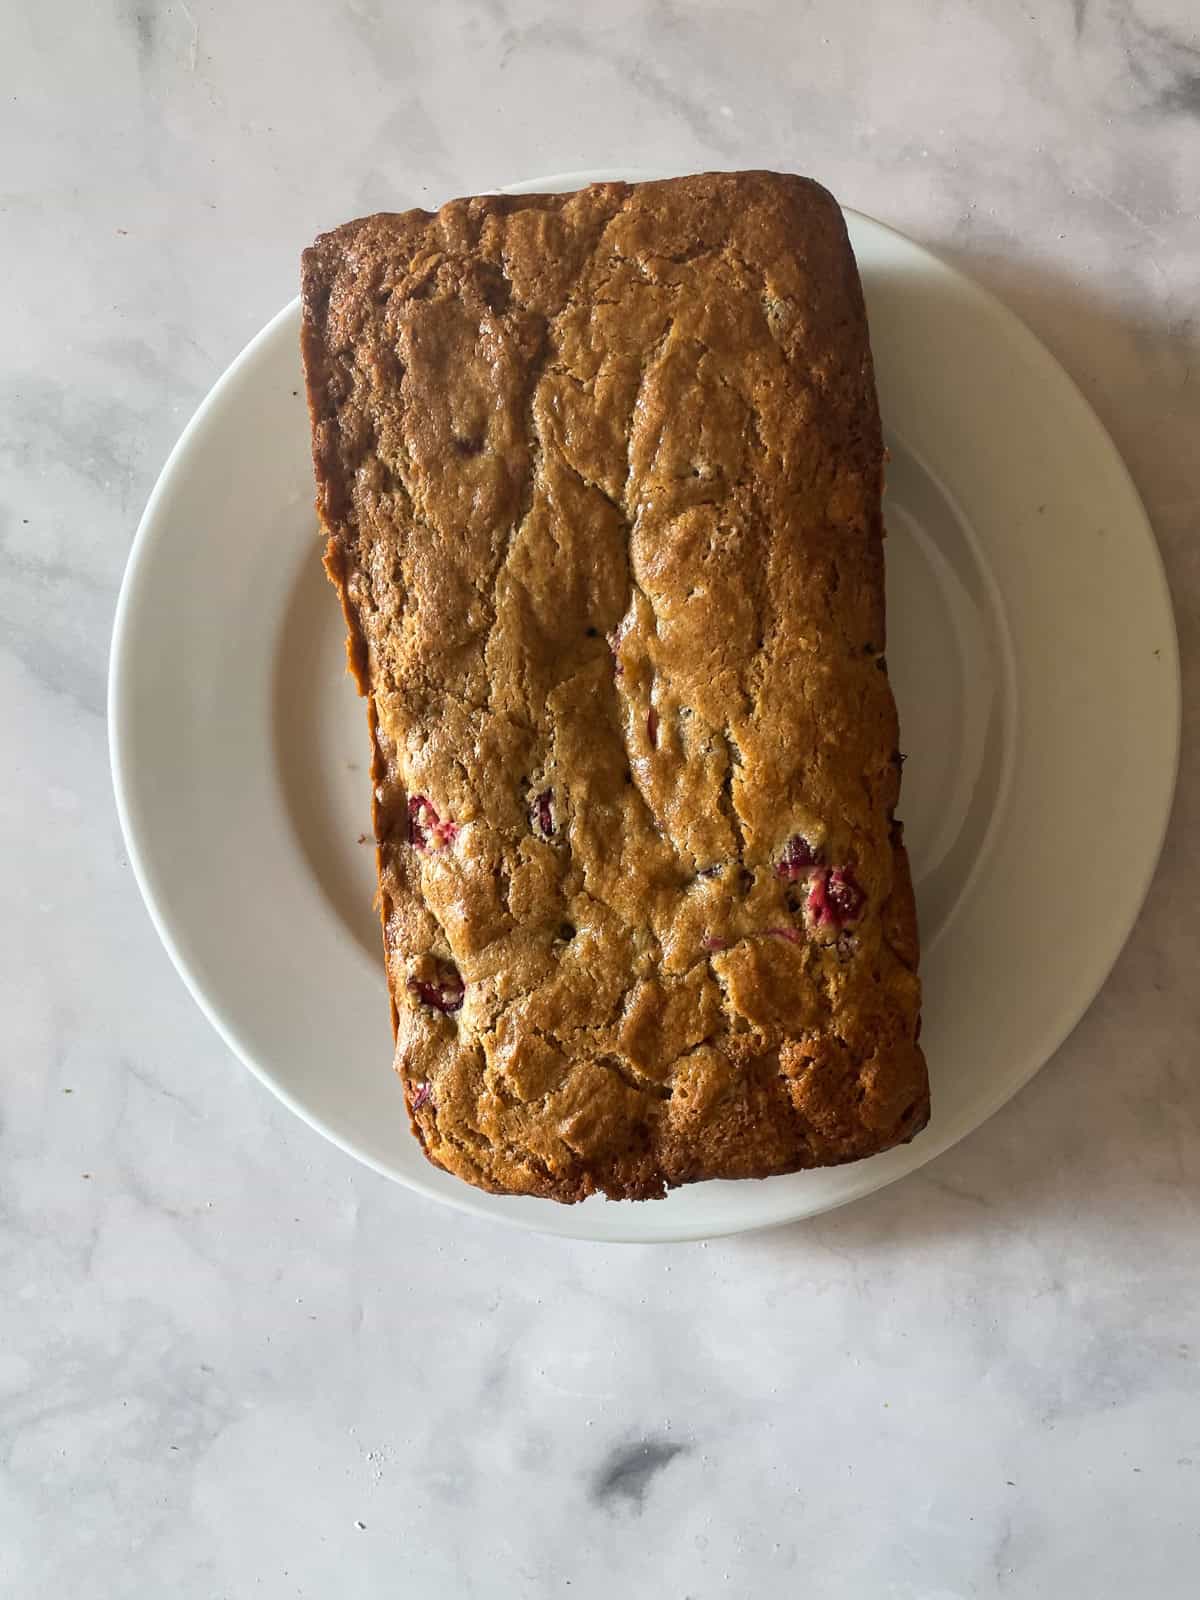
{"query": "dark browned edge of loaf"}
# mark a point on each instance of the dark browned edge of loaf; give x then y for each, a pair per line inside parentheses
(534, 419)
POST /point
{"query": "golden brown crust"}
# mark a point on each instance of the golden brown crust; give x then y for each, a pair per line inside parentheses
(600, 476)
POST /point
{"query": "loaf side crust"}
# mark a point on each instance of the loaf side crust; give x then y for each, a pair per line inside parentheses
(600, 480)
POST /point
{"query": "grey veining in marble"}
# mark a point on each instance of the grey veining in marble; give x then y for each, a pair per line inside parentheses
(234, 1364)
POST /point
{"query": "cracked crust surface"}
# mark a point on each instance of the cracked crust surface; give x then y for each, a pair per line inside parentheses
(600, 477)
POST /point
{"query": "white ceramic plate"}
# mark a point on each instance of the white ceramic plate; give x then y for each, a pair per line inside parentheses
(1031, 647)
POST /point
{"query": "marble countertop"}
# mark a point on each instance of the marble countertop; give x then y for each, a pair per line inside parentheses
(233, 1363)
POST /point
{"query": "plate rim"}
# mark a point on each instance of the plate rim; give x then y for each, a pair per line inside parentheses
(564, 1221)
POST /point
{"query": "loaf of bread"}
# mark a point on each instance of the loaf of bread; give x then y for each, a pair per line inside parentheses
(600, 478)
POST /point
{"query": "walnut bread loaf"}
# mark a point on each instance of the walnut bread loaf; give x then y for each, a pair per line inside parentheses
(600, 477)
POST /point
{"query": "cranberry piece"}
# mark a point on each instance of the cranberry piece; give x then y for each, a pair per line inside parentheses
(845, 894)
(819, 908)
(789, 934)
(541, 814)
(421, 1095)
(798, 858)
(652, 726)
(443, 993)
(614, 644)
(834, 898)
(711, 943)
(426, 830)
